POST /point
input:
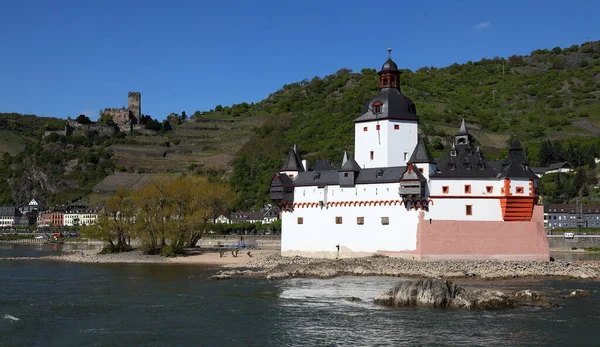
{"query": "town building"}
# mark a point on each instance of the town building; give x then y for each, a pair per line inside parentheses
(80, 216)
(393, 198)
(582, 216)
(267, 215)
(29, 213)
(9, 216)
(562, 167)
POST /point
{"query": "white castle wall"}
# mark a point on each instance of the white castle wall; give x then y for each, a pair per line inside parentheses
(319, 234)
(455, 209)
(390, 146)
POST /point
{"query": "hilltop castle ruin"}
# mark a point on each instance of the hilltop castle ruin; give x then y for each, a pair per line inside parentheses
(128, 119)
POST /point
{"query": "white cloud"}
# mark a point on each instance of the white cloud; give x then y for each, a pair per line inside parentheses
(482, 25)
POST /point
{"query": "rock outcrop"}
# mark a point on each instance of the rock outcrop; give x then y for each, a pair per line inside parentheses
(439, 293)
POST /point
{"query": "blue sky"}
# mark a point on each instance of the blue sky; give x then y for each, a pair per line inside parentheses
(62, 58)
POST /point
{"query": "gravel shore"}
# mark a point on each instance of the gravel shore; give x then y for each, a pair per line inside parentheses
(92, 256)
(277, 267)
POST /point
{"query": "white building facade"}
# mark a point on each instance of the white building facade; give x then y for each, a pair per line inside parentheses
(393, 198)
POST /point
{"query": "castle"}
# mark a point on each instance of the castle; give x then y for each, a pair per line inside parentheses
(127, 119)
(392, 198)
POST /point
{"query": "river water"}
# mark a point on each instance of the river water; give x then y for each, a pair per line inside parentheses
(44, 303)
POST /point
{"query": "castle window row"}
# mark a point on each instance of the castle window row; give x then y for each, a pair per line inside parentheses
(488, 189)
(359, 220)
(378, 127)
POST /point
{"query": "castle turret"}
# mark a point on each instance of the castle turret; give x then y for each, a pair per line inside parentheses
(348, 171)
(386, 132)
(423, 159)
(293, 163)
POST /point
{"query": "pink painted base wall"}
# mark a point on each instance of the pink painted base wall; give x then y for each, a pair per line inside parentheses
(446, 240)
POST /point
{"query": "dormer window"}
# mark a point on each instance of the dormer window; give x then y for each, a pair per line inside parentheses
(469, 151)
(467, 166)
(376, 107)
(317, 176)
(452, 166)
(453, 153)
(379, 173)
(481, 166)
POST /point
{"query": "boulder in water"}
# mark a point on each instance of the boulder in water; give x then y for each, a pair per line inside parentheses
(578, 293)
(439, 293)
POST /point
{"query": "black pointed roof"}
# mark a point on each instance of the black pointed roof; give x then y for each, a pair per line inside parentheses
(293, 162)
(421, 154)
(463, 129)
(515, 166)
(350, 165)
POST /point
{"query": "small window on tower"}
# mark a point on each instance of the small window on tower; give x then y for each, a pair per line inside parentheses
(300, 220)
(338, 220)
(445, 189)
(372, 155)
(396, 127)
(520, 190)
(489, 189)
(345, 174)
(360, 220)
(467, 189)
(421, 170)
(405, 156)
(365, 128)
(377, 107)
(385, 220)
(377, 127)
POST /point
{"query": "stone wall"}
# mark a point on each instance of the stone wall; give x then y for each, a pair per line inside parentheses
(120, 116)
(76, 129)
(559, 242)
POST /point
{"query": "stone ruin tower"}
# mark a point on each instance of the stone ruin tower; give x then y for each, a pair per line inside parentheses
(134, 104)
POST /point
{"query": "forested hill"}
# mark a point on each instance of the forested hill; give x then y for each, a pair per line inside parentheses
(549, 94)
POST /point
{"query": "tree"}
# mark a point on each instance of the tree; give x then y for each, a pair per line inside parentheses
(83, 119)
(106, 119)
(184, 116)
(113, 226)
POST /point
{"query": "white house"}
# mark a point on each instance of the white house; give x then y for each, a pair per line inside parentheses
(393, 198)
(80, 215)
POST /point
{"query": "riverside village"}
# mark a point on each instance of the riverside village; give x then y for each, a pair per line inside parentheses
(399, 204)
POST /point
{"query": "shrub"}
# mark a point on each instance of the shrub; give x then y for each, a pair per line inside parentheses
(171, 251)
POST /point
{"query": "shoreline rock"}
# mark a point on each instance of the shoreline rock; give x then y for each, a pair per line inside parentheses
(276, 267)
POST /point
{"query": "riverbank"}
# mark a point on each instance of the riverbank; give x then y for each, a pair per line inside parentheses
(206, 257)
(277, 267)
(270, 265)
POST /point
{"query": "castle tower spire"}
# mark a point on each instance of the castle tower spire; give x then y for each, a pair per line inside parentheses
(389, 76)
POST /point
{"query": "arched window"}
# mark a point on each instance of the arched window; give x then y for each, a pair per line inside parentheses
(376, 107)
